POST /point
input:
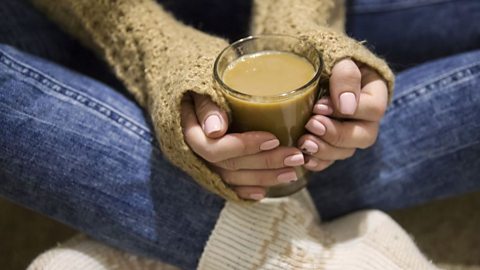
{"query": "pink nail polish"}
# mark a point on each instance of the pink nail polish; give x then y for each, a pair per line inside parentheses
(348, 103)
(287, 177)
(309, 147)
(269, 145)
(316, 127)
(324, 100)
(212, 124)
(294, 160)
(256, 196)
(322, 109)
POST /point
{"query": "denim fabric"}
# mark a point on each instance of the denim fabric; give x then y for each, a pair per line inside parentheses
(428, 145)
(28, 30)
(80, 152)
(411, 32)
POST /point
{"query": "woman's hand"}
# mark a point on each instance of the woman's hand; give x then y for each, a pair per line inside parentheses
(348, 119)
(249, 161)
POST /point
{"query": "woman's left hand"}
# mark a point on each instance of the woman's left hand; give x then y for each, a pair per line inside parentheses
(346, 120)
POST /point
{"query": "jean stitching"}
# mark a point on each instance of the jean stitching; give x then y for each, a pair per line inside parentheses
(448, 79)
(383, 7)
(70, 93)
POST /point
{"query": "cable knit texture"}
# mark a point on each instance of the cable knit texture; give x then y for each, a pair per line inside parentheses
(159, 59)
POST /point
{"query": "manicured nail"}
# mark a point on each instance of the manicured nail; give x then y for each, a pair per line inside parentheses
(323, 100)
(311, 163)
(256, 196)
(294, 160)
(322, 109)
(212, 124)
(348, 103)
(269, 145)
(316, 127)
(309, 147)
(287, 177)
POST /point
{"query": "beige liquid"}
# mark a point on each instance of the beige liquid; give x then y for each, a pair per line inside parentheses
(270, 74)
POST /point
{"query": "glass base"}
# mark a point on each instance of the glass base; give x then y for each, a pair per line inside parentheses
(290, 188)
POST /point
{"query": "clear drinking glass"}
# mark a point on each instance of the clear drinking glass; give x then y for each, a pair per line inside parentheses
(284, 115)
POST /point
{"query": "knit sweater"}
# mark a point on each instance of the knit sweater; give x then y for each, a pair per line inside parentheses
(159, 59)
(280, 234)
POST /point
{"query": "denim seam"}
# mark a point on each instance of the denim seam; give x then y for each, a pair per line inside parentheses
(385, 7)
(447, 79)
(71, 94)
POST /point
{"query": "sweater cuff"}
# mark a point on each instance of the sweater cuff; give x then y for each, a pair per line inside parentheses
(336, 46)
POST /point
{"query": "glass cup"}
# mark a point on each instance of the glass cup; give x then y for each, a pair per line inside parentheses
(283, 115)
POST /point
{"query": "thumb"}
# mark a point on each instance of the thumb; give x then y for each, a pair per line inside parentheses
(345, 85)
(214, 120)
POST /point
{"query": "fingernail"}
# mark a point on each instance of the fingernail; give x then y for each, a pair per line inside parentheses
(212, 124)
(348, 103)
(324, 100)
(322, 109)
(256, 196)
(287, 177)
(311, 163)
(269, 145)
(294, 160)
(309, 147)
(316, 127)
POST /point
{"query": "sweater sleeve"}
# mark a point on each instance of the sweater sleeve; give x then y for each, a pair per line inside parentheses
(158, 58)
(321, 22)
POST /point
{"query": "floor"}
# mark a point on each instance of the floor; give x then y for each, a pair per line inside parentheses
(447, 231)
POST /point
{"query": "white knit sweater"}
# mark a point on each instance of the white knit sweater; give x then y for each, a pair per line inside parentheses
(283, 234)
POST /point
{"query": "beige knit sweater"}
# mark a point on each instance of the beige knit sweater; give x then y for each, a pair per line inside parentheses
(159, 59)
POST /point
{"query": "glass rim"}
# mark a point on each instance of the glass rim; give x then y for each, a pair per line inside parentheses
(248, 97)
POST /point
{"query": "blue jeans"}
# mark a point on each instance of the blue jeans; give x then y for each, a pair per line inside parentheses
(81, 152)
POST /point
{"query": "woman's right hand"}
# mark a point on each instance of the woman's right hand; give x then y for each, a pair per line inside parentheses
(249, 162)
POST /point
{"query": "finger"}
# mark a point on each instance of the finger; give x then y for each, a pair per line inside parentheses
(231, 145)
(345, 134)
(251, 193)
(214, 121)
(316, 147)
(227, 147)
(323, 106)
(374, 96)
(345, 85)
(275, 159)
(264, 178)
(317, 165)
(373, 100)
